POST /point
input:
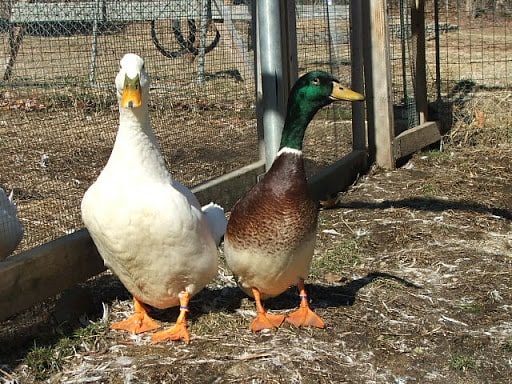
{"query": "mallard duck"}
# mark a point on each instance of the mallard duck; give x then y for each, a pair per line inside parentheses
(271, 231)
(11, 231)
(150, 230)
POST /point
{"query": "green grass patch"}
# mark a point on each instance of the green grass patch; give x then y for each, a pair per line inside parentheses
(44, 360)
(474, 308)
(344, 253)
(507, 345)
(461, 362)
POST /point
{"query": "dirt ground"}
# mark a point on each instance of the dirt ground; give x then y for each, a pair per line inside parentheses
(412, 275)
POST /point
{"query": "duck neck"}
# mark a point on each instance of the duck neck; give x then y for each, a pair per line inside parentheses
(135, 120)
(296, 122)
(136, 143)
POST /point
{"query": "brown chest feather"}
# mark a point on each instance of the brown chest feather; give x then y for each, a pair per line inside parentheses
(279, 209)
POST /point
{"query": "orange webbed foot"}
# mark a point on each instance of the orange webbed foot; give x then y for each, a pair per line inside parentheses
(179, 331)
(139, 322)
(266, 321)
(304, 316)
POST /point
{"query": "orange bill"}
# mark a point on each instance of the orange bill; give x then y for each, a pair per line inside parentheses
(131, 93)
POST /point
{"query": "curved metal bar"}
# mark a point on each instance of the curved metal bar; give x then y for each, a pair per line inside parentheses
(187, 45)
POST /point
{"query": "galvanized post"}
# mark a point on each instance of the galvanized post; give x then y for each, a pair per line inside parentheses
(273, 57)
(94, 42)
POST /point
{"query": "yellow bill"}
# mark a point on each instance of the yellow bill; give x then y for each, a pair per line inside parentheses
(340, 92)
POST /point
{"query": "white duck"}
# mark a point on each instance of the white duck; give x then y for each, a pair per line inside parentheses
(11, 230)
(150, 230)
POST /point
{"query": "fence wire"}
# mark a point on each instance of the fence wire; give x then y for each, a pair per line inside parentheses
(470, 82)
(59, 111)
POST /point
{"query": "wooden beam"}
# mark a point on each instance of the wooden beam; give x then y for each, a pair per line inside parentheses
(238, 50)
(359, 135)
(32, 276)
(418, 54)
(377, 69)
(23, 12)
(227, 189)
(414, 139)
(338, 176)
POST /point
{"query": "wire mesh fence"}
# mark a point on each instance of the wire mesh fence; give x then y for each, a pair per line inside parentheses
(475, 59)
(59, 111)
(469, 57)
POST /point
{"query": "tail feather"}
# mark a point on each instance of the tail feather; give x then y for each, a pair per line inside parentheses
(217, 220)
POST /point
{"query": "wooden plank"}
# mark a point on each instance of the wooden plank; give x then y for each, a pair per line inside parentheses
(44, 12)
(227, 189)
(414, 139)
(110, 11)
(338, 176)
(379, 100)
(418, 52)
(232, 38)
(33, 276)
(359, 135)
(151, 10)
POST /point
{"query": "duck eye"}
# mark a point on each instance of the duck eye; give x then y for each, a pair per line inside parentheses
(316, 81)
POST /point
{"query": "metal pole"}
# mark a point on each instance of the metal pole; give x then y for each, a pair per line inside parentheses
(94, 43)
(273, 91)
(205, 19)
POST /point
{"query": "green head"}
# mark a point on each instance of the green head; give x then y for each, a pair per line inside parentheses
(311, 92)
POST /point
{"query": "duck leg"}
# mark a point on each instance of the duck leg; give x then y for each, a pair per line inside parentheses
(139, 322)
(264, 320)
(304, 316)
(179, 330)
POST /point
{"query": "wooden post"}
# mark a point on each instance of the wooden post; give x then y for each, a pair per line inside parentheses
(359, 139)
(289, 50)
(418, 53)
(377, 71)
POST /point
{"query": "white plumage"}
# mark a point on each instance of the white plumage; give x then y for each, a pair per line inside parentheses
(149, 228)
(11, 231)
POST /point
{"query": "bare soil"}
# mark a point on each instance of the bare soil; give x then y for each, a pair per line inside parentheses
(412, 274)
